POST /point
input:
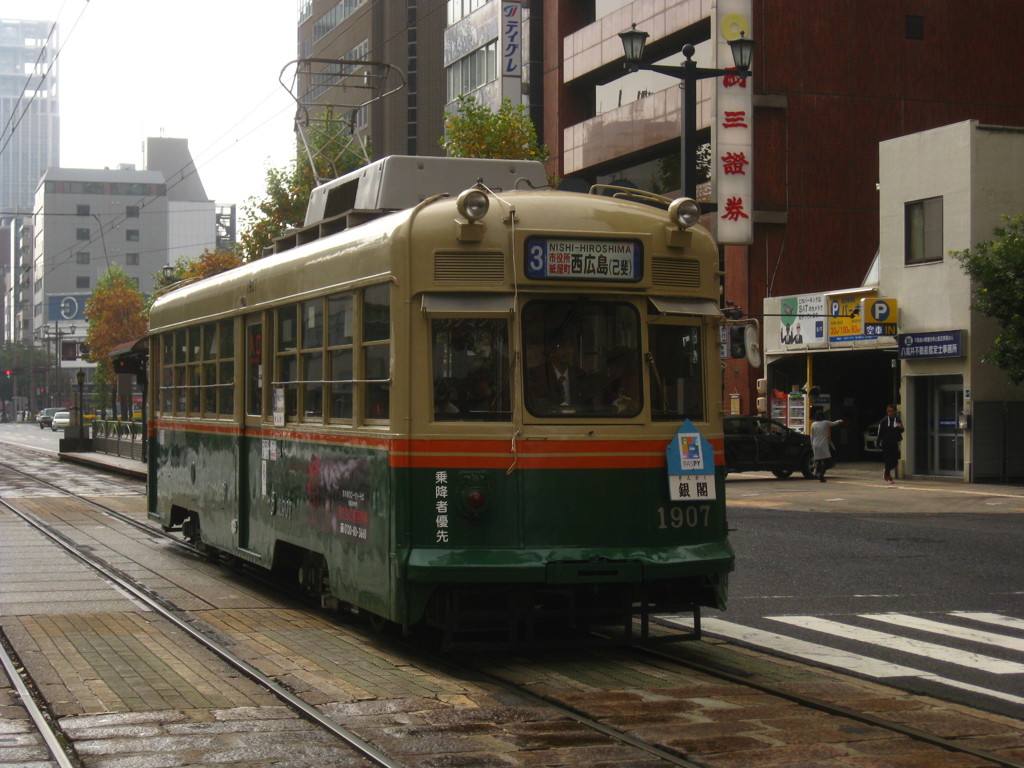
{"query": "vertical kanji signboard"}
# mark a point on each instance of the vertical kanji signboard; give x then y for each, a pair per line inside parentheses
(732, 129)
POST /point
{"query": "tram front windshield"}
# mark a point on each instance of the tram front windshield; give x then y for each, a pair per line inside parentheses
(582, 358)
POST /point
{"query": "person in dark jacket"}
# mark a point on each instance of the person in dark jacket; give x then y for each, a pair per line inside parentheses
(890, 435)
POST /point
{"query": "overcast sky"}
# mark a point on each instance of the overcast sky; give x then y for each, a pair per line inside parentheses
(202, 70)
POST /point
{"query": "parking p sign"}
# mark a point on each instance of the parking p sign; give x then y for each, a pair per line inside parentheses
(878, 316)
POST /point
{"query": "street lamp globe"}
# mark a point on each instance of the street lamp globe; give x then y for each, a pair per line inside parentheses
(742, 52)
(633, 41)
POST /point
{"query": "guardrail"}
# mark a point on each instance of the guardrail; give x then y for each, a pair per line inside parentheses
(118, 438)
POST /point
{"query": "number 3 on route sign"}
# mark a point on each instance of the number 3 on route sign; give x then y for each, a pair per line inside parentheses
(879, 316)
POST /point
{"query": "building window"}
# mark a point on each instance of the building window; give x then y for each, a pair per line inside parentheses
(131, 259)
(923, 231)
(82, 257)
(131, 211)
(470, 72)
(82, 281)
(131, 235)
(81, 210)
(135, 280)
(82, 233)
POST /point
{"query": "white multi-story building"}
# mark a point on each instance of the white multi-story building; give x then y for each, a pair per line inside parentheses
(87, 221)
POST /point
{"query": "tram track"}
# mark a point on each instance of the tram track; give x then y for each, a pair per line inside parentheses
(53, 740)
(160, 606)
(168, 611)
(579, 714)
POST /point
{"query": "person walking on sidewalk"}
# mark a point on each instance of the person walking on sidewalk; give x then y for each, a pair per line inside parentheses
(890, 435)
(821, 441)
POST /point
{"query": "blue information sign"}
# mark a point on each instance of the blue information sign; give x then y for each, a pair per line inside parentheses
(914, 346)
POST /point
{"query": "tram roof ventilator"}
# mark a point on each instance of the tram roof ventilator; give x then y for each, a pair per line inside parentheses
(399, 182)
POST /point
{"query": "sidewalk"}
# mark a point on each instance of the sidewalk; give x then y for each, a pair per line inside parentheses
(116, 464)
(858, 487)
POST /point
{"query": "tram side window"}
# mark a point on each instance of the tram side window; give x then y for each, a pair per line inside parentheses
(582, 359)
(209, 383)
(167, 373)
(677, 372)
(376, 328)
(226, 369)
(192, 377)
(311, 387)
(286, 378)
(340, 330)
(218, 369)
(471, 369)
(254, 377)
(180, 363)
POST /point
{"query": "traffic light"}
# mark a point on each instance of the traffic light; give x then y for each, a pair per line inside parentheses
(737, 341)
(7, 373)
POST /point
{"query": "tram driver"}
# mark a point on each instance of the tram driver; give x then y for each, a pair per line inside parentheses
(557, 382)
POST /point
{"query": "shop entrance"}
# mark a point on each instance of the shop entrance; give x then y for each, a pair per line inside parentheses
(939, 441)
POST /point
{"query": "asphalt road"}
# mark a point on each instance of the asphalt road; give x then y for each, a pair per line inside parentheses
(918, 594)
(30, 435)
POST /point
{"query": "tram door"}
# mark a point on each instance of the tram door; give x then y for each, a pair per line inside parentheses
(249, 456)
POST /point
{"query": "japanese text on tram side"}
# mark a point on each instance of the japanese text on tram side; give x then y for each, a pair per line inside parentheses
(441, 506)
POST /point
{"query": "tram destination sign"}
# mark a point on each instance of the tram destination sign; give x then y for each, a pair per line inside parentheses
(570, 258)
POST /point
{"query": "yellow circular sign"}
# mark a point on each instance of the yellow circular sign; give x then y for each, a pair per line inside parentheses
(734, 25)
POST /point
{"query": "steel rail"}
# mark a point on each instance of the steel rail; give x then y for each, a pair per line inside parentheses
(43, 725)
(837, 710)
(157, 605)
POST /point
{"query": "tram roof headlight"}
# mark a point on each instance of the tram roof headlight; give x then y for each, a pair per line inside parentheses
(684, 212)
(473, 204)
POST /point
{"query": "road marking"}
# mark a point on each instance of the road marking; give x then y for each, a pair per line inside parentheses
(991, 618)
(832, 657)
(812, 651)
(949, 630)
(904, 644)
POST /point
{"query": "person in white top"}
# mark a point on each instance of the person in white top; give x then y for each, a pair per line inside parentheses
(821, 440)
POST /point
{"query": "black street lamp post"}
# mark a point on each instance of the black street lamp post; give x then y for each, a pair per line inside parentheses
(688, 74)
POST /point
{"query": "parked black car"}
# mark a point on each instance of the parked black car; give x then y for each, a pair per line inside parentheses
(759, 443)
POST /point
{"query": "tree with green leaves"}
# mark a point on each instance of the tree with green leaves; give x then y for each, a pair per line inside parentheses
(332, 152)
(996, 269)
(115, 313)
(475, 130)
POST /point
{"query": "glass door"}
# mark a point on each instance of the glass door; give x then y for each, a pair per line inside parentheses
(945, 439)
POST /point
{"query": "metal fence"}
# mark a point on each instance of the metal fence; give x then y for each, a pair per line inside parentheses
(118, 438)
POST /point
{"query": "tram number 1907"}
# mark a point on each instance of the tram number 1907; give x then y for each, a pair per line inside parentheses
(692, 516)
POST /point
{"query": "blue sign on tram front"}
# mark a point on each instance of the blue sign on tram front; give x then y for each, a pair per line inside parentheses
(565, 258)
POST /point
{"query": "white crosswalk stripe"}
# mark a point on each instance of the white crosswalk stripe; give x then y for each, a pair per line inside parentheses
(905, 644)
(949, 630)
(991, 618)
(884, 642)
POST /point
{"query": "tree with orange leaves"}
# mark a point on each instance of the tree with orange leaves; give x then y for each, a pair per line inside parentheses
(207, 264)
(115, 313)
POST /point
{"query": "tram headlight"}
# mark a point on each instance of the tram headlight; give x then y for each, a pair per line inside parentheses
(473, 204)
(684, 212)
